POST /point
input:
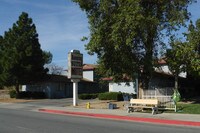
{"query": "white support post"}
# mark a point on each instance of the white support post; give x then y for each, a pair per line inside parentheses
(75, 92)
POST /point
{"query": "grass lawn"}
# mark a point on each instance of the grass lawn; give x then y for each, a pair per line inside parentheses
(188, 108)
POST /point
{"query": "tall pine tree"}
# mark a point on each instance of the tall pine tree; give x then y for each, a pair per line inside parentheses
(1, 44)
(22, 57)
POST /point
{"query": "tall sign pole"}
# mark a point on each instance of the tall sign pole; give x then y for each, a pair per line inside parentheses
(75, 91)
(75, 71)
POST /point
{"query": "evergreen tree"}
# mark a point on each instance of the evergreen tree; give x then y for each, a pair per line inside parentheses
(1, 68)
(22, 58)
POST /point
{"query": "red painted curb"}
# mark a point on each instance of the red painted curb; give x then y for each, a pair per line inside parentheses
(128, 118)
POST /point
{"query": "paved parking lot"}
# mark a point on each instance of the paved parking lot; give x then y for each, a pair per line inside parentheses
(51, 102)
(56, 102)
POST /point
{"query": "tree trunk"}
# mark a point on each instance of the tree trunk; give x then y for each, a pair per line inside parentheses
(176, 82)
(17, 88)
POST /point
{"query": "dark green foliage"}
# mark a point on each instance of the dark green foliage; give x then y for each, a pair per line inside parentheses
(176, 60)
(12, 93)
(192, 51)
(22, 59)
(127, 35)
(1, 54)
(30, 95)
(185, 56)
(27, 95)
(87, 96)
(111, 96)
(47, 56)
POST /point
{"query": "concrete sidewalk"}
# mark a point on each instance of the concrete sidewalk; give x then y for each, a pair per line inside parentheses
(163, 118)
(64, 107)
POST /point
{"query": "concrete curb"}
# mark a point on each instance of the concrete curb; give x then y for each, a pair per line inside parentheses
(126, 118)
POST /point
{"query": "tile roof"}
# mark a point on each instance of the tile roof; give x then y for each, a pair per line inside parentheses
(89, 67)
(162, 61)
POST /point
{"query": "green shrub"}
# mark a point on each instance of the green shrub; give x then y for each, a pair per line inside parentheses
(111, 96)
(87, 96)
(12, 93)
(32, 95)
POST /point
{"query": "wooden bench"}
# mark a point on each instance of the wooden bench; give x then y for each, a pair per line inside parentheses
(143, 103)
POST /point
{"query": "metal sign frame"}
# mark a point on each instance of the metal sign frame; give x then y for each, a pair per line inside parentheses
(75, 64)
(75, 71)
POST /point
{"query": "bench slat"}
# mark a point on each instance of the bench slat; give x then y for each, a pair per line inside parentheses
(136, 106)
(144, 101)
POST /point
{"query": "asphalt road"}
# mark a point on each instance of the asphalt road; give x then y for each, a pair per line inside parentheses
(21, 121)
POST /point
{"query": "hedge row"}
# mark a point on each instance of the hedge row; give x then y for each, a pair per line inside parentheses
(40, 95)
(103, 96)
(111, 96)
(27, 94)
(87, 96)
(12, 93)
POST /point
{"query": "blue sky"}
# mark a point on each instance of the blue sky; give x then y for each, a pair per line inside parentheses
(60, 24)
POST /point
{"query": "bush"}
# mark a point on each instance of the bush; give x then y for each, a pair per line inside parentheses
(111, 96)
(12, 93)
(87, 96)
(32, 95)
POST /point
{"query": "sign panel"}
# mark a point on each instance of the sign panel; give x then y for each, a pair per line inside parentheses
(75, 65)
